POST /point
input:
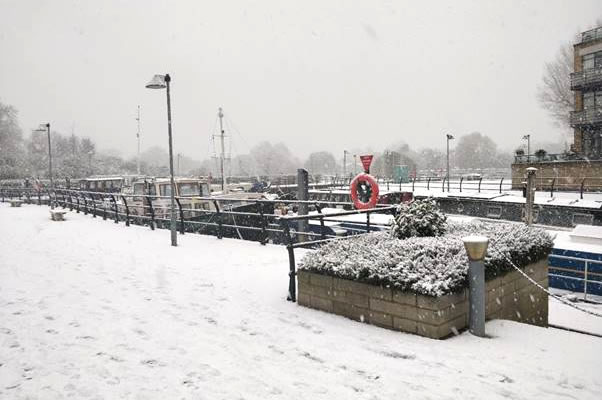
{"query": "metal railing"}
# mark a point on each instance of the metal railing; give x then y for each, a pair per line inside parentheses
(291, 244)
(570, 270)
(591, 35)
(535, 158)
(248, 219)
(591, 116)
(586, 78)
(553, 184)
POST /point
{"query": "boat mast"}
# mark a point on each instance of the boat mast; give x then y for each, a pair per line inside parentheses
(223, 152)
(138, 138)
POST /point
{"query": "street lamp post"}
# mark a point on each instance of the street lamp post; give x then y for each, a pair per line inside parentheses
(449, 137)
(162, 82)
(47, 130)
(355, 164)
(528, 139)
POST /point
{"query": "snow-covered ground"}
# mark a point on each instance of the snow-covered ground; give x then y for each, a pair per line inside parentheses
(91, 309)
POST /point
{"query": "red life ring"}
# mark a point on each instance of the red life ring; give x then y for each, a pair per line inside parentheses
(364, 179)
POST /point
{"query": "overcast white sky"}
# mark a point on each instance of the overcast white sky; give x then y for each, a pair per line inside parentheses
(313, 74)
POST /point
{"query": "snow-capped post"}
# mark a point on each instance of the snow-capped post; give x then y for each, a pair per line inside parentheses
(303, 195)
(530, 195)
(476, 248)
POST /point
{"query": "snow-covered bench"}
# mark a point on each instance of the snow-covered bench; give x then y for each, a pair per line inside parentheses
(57, 215)
(16, 203)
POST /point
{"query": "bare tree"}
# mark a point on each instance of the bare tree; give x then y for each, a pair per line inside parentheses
(554, 93)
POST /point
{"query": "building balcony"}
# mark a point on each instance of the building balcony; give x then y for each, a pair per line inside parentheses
(592, 116)
(591, 35)
(589, 78)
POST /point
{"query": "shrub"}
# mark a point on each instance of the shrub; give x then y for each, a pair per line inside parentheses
(419, 218)
(428, 265)
(541, 154)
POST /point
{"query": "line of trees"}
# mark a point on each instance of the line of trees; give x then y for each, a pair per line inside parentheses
(77, 157)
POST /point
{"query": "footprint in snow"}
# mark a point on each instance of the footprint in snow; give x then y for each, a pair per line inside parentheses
(152, 363)
(394, 354)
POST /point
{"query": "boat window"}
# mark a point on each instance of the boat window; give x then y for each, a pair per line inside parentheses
(189, 189)
(139, 188)
(205, 189)
(165, 189)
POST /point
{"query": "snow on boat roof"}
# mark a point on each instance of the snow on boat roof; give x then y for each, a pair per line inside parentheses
(105, 178)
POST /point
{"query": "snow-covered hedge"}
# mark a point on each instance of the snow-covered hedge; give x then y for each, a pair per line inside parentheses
(427, 265)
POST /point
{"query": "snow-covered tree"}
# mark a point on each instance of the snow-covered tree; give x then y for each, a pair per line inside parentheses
(475, 151)
(11, 144)
(321, 163)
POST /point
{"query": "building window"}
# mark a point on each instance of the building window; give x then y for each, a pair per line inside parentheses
(592, 99)
(588, 100)
(592, 60)
(588, 61)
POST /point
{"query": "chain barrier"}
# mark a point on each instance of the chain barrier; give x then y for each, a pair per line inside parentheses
(560, 299)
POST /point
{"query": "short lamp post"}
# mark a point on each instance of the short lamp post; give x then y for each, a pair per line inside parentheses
(449, 137)
(476, 248)
(162, 82)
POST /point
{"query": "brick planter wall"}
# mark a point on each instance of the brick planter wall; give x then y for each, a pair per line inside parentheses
(510, 296)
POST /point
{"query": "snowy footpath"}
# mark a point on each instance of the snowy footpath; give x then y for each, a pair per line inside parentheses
(93, 310)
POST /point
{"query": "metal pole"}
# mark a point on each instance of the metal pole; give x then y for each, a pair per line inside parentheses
(344, 163)
(302, 194)
(174, 234)
(448, 162)
(585, 282)
(138, 138)
(223, 155)
(50, 167)
(476, 298)
(530, 195)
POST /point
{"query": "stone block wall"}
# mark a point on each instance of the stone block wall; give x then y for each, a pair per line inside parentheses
(510, 296)
(568, 174)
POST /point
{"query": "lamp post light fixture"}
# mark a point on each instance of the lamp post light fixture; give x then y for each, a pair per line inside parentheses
(476, 248)
(46, 128)
(162, 82)
(449, 137)
(528, 139)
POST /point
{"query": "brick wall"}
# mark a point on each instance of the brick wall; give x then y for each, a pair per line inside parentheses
(510, 296)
